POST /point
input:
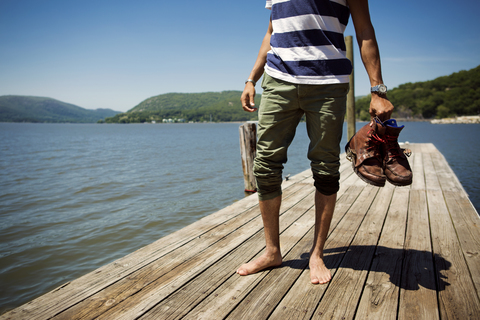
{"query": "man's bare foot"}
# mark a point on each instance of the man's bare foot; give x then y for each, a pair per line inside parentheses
(261, 263)
(319, 273)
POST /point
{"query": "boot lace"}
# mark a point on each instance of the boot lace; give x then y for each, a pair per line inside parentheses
(393, 149)
(374, 142)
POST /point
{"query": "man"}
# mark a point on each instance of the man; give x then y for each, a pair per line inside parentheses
(302, 58)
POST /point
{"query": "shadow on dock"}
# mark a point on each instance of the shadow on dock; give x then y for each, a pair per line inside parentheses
(383, 255)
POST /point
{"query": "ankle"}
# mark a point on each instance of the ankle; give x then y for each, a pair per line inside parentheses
(273, 252)
(316, 253)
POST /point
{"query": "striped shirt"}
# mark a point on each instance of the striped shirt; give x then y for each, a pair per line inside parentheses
(307, 43)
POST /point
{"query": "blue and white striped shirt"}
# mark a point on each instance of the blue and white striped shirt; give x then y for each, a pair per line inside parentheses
(307, 43)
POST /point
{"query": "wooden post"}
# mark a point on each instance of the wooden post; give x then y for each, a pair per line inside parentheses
(248, 146)
(351, 130)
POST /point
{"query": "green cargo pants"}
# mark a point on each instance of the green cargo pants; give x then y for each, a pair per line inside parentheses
(282, 107)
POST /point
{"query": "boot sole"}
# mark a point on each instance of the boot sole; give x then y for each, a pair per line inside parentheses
(400, 184)
(353, 158)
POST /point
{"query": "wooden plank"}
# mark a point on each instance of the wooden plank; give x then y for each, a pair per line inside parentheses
(352, 179)
(431, 180)
(229, 295)
(457, 296)
(235, 289)
(302, 299)
(299, 221)
(265, 296)
(347, 284)
(454, 284)
(463, 214)
(418, 182)
(467, 226)
(418, 296)
(262, 301)
(380, 296)
(421, 147)
(445, 175)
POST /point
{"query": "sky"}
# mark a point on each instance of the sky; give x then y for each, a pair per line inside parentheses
(115, 54)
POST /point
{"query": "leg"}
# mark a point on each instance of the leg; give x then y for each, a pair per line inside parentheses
(325, 111)
(278, 117)
(272, 256)
(324, 207)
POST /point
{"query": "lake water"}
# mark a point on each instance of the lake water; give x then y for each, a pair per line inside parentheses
(74, 197)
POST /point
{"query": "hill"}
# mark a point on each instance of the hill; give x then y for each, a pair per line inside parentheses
(455, 95)
(186, 107)
(40, 109)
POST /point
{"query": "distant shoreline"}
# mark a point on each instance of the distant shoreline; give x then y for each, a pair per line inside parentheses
(464, 119)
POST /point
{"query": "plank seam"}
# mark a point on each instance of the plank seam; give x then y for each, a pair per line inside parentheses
(404, 251)
(349, 244)
(285, 210)
(435, 270)
(267, 273)
(460, 243)
(376, 248)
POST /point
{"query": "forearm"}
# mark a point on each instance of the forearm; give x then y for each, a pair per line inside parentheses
(370, 55)
(367, 42)
(366, 39)
(259, 66)
(379, 104)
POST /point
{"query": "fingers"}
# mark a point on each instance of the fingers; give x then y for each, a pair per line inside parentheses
(248, 99)
(380, 107)
(381, 114)
(249, 106)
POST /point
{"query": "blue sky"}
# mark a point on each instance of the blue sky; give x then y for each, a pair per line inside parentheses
(114, 54)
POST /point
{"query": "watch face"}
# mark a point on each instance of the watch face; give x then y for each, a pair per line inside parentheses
(380, 89)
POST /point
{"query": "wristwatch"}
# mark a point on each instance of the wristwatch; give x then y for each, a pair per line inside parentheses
(381, 89)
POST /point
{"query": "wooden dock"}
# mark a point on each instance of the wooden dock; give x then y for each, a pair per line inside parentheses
(394, 252)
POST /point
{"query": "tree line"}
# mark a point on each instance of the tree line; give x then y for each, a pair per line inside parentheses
(188, 107)
(455, 95)
(447, 96)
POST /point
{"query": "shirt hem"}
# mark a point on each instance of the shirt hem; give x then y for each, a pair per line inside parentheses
(307, 79)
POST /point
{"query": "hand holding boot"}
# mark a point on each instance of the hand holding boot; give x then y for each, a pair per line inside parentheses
(380, 107)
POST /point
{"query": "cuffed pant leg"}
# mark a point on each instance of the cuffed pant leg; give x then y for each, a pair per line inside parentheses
(278, 117)
(325, 112)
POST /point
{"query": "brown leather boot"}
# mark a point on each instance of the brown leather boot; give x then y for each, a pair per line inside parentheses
(396, 166)
(365, 151)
